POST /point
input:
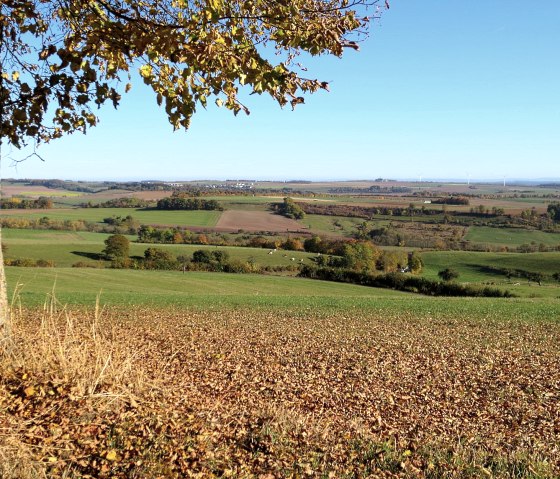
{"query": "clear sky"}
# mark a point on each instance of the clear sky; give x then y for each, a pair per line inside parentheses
(441, 89)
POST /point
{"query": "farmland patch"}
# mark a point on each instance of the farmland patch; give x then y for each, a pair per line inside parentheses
(234, 220)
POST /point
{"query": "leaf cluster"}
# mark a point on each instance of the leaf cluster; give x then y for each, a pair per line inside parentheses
(60, 60)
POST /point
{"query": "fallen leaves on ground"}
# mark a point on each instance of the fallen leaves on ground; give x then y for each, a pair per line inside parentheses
(267, 395)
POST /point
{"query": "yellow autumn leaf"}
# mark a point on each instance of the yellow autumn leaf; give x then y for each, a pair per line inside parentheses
(111, 455)
(29, 391)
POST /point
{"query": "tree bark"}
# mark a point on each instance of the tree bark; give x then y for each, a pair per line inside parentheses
(4, 308)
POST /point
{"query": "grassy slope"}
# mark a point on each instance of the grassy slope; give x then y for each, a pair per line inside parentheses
(510, 236)
(225, 291)
(471, 267)
(470, 264)
(166, 288)
(67, 248)
(321, 224)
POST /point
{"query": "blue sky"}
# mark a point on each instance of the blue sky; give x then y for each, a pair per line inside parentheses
(441, 89)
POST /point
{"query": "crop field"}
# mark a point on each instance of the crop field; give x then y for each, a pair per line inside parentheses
(155, 217)
(77, 286)
(34, 191)
(511, 236)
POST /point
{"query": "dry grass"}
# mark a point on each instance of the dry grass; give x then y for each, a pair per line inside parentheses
(245, 394)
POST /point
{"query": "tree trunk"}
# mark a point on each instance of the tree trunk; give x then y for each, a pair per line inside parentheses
(4, 308)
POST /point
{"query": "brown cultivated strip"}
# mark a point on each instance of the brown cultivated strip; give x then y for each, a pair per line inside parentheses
(240, 393)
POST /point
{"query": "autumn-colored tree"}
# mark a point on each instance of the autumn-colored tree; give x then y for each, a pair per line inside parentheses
(360, 256)
(61, 60)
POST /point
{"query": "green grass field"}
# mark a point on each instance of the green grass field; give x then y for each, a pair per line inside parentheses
(153, 217)
(473, 268)
(510, 236)
(31, 237)
(325, 225)
(207, 291)
(168, 288)
(68, 247)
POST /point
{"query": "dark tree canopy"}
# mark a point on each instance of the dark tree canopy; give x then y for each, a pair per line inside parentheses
(448, 274)
(117, 247)
(61, 59)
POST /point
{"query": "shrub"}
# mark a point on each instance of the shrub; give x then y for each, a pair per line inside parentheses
(156, 258)
(88, 264)
(45, 263)
(292, 244)
(448, 274)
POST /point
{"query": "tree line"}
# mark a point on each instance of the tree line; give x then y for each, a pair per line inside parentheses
(42, 203)
(177, 202)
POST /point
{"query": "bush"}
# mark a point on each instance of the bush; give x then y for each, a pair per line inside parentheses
(88, 264)
(22, 262)
(448, 274)
(156, 258)
(45, 263)
(292, 244)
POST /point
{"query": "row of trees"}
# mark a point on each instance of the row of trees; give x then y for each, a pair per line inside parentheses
(365, 257)
(402, 282)
(117, 250)
(181, 203)
(42, 203)
(125, 202)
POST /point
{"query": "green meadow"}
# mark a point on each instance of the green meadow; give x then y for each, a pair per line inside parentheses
(144, 216)
(331, 225)
(511, 236)
(69, 247)
(198, 290)
(167, 288)
(472, 265)
(476, 267)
